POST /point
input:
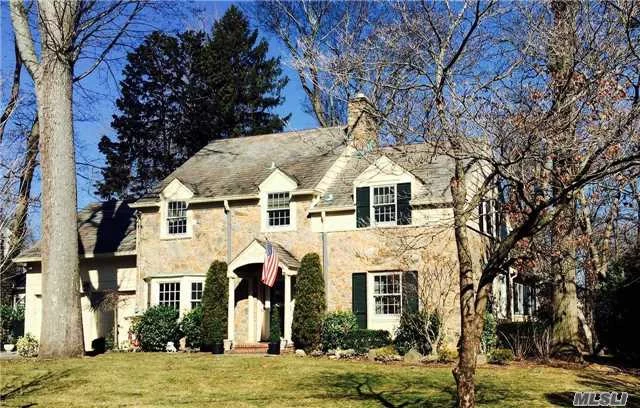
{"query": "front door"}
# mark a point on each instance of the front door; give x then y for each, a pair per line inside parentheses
(272, 296)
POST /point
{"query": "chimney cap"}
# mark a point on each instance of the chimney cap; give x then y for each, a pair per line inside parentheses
(360, 95)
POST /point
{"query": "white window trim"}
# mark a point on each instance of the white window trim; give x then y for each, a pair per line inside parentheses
(382, 321)
(164, 224)
(168, 281)
(190, 284)
(372, 215)
(264, 203)
(185, 290)
(532, 294)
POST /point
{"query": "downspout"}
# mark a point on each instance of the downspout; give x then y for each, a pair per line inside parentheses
(227, 218)
(325, 258)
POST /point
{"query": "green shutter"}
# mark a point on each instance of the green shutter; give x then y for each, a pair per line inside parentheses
(404, 208)
(359, 298)
(410, 292)
(362, 207)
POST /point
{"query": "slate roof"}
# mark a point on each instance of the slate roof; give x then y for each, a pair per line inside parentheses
(284, 255)
(103, 228)
(434, 171)
(237, 166)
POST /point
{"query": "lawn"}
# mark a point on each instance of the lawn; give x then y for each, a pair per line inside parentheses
(202, 380)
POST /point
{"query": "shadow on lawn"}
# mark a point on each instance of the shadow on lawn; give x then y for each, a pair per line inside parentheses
(595, 381)
(32, 385)
(416, 391)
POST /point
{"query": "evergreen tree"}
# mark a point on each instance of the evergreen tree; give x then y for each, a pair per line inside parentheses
(214, 305)
(310, 304)
(180, 92)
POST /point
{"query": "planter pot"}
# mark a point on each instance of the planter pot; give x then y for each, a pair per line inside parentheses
(9, 347)
(205, 348)
(217, 348)
(274, 348)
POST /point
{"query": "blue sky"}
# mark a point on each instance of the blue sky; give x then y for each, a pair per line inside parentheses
(93, 118)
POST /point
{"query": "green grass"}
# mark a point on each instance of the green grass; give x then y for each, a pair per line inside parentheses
(203, 380)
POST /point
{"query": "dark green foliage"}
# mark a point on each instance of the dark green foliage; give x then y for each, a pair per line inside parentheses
(335, 327)
(363, 340)
(489, 334)
(501, 356)
(214, 304)
(156, 327)
(275, 327)
(191, 326)
(310, 304)
(417, 330)
(10, 318)
(180, 92)
(617, 308)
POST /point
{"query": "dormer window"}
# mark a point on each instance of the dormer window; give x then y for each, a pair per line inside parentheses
(384, 204)
(278, 209)
(177, 217)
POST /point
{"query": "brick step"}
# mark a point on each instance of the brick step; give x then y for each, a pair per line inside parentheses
(249, 348)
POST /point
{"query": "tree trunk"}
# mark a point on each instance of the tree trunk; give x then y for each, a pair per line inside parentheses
(565, 333)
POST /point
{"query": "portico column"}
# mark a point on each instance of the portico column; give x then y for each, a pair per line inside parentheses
(288, 312)
(231, 309)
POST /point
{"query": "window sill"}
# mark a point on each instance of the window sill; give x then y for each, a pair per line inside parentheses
(287, 228)
(166, 237)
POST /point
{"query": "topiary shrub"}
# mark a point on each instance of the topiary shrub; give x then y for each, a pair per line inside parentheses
(335, 327)
(310, 304)
(501, 356)
(158, 326)
(363, 340)
(214, 305)
(417, 330)
(191, 327)
(27, 346)
(275, 327)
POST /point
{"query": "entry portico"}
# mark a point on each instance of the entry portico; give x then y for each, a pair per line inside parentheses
(250, 301)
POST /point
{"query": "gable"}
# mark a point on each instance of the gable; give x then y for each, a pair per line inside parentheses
(176, 190)
(385, 171)
(278, 180)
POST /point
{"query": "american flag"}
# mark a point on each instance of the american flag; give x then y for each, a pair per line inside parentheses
(270, 266)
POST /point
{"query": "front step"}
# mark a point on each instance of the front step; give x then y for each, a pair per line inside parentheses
(249, 348)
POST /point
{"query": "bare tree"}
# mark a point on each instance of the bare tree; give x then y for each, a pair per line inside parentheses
(68, 33)
(489, 86)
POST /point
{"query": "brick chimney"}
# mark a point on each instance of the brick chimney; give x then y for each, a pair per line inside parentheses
(362, 126)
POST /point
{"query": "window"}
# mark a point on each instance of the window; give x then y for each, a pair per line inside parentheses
(177, 217)
(278, 209)
(387, 294)
(169, 295)
(524, 299)
(384, 204)
(487, 217)
(196, 294)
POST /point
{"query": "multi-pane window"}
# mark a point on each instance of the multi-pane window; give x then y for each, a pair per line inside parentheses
(169, 294)
(196, 294)
(177, 217)
(278, 209)
(384, 204)
(387, 294)
(488, 217)
(524, 299)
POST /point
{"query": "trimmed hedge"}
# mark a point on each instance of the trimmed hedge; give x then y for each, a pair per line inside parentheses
(214, 305)
(501, 356)
(363, 340)
(274, 325)
(156, 327)
(310, 304)
(335, 327)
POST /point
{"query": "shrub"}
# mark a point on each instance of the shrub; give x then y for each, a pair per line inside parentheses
(9, 317)
(489, 334)
(335, 327)
(27, 346)
(519, 337)
(501, 356)
(447, 355)
(274, 326)
(417, 330)
(310, 304)
(191, 327)
(214, 304)
(363, 340)
(157, 326)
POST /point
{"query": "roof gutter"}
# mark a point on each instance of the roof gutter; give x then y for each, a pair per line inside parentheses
(91, 255)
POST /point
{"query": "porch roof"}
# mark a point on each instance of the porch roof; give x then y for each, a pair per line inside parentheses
(255, 251)
(284, 256)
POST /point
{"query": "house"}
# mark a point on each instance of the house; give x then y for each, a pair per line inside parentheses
(379, 217)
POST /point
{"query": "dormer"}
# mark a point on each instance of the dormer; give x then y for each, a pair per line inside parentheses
(176, 220)
(383, 194)
(278, 210)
